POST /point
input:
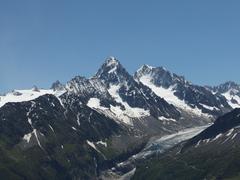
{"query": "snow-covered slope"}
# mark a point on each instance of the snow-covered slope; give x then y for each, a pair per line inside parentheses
(231, 91)
(233, 98)
(169, 96)
(27, 95)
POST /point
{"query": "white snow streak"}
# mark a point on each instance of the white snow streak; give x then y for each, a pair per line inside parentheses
(168, 95)
(129, 112)
(229, 96)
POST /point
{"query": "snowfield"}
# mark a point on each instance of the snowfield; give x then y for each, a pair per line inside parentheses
(168, 95)
(26, 95)
(229, 96)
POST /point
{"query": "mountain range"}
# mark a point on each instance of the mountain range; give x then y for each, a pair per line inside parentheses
(85, 127)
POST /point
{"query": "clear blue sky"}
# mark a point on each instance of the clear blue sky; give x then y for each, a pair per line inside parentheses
(45, 40)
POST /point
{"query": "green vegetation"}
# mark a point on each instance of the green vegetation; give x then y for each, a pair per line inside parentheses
(200, 163)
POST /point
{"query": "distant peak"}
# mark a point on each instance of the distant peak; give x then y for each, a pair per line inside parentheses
(57, 86)
(230, 83)
(227, 86)
(35, 88)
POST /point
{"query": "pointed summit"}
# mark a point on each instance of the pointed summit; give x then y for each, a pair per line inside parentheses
(111, 61)
(35, 88)
(112, 71)
(57, 86)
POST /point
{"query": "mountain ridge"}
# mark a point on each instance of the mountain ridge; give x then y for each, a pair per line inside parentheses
(114, 113)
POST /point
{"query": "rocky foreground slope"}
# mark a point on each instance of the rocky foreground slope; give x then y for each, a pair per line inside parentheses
(212, 154)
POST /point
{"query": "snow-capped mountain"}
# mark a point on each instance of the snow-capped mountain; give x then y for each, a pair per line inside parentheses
(93, 123)
(231, 91)
(182, 94)
(136, 99)
(151, 92)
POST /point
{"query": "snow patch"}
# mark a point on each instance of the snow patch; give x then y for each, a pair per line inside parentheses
(94, 103)
(91, 144)
(218, 136)
(229, 96)
(234, 135)
(162, 118)
(51, 128)
(38, 141)
(112, 70)
(102, 143)
(209, 107)
(74, 128)
(78, 119)
(27, 137)
(230, 132)
(129, 112)
(199, 142)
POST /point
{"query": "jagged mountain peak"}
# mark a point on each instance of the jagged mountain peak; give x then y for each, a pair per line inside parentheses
(159, 75)
(112, 72)
(145, 67)
(148, 70)
(85, 87)
(225, 87)
(231, 91)
(112, 61)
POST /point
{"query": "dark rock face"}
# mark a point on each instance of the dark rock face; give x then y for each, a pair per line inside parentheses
(84, 89)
